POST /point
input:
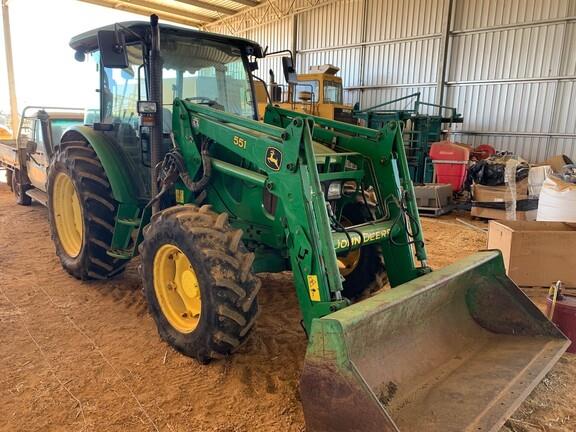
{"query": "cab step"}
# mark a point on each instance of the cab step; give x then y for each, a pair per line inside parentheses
(127, 235)
(134, 222)
(120, 253)
(38, 195)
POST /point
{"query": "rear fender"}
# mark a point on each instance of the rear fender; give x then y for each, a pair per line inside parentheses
(120, 171)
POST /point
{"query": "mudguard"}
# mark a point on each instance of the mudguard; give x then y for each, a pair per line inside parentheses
(119, 169)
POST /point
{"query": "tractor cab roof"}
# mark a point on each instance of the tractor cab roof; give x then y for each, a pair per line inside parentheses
(88, 41)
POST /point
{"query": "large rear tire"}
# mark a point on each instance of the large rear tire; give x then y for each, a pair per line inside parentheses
(198, 281)
(19, 189)
(365, 270)
(82, 212)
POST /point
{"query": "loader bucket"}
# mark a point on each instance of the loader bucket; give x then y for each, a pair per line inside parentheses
(455, 350)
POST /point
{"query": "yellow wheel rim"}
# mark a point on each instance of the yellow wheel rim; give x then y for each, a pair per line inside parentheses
(177, 288)
(348, 263)
(68, 215)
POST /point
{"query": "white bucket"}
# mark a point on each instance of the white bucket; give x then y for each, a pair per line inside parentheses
(557, 201)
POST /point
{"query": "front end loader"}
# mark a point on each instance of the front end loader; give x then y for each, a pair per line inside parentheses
(209, 196)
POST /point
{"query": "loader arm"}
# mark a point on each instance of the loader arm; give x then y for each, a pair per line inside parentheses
(386, 149)
(308, 247)
(280, 159)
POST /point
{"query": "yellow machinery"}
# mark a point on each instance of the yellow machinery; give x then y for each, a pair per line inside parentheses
(5, 133)
(318, 93)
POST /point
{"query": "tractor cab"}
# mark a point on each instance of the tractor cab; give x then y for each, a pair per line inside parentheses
(199, 67)
(318, 92)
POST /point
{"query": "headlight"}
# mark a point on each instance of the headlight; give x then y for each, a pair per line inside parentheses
(334, 191)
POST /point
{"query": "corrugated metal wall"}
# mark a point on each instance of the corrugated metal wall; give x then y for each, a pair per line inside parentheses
(509, 75)
(510, 64)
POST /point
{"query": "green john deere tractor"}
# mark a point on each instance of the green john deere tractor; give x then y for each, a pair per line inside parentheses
(173, 165)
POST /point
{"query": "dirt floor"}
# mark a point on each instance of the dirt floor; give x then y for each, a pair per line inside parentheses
(86, 355)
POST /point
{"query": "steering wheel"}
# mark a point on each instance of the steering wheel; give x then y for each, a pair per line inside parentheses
(203, 100)
(206, 101)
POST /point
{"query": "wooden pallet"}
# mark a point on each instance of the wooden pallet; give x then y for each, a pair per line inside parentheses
(435, 211)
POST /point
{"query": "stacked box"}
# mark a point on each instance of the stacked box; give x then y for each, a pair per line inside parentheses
(489, 202)
(536, 253)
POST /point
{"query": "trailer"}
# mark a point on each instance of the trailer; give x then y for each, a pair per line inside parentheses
(26, 157)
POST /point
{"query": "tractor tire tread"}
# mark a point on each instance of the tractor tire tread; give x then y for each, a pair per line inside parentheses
(232, 286)
(234, 239)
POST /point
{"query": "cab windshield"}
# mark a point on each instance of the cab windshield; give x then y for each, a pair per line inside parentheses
(306, 91)
(206, 72)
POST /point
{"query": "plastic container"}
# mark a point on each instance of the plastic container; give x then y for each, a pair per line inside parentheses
(564, 316)
(450, 163)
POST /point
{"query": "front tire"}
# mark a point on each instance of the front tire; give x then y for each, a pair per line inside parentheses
(364, 269)
(82, 212)
(198, 281)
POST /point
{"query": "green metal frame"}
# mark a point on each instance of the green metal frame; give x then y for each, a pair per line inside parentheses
(425, 130)
(297, 234)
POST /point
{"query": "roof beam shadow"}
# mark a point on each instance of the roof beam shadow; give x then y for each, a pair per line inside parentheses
(250, 3)
(209, 6)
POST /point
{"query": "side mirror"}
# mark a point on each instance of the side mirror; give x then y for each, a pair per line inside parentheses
(79, 56)
(112, 46)
(289, 71)
(31, 147)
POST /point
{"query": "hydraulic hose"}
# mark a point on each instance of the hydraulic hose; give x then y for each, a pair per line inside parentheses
(173, 166)
(203, 181)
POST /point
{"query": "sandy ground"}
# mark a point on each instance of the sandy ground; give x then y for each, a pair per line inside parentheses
(86, 356)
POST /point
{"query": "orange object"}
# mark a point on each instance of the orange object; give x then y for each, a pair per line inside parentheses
(5, 133)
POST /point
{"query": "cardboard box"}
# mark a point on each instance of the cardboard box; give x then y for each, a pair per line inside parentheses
(483, 193)
(433, 195)
(489, 213)
(557, 162)
(536, 253)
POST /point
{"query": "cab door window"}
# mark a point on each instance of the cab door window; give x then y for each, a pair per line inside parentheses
(332, 92)
(307, 91)
(39, 138)
(120, 91)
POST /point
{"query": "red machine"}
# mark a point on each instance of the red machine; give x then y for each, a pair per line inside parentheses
(450, 163)
(483, 151)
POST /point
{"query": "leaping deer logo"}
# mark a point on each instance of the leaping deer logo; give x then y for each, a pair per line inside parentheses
(273, 158)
